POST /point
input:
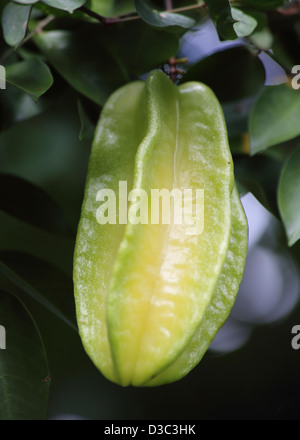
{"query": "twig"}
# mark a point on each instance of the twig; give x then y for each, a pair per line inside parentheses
(131, 17)
(40, 26)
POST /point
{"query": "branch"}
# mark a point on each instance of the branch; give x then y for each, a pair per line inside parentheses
(40, 26)
(131, 17)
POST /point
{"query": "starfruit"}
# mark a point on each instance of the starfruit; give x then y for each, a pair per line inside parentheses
(151, 295)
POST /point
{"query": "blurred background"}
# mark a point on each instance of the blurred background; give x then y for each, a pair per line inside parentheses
(251, 370)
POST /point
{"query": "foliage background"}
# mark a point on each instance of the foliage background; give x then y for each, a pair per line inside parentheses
(60, 69)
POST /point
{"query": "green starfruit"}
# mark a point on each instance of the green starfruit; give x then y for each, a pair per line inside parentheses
(151, 295)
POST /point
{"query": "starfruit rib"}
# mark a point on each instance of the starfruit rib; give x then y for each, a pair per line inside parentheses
(117, 137)
(221, 303)
(163, 279)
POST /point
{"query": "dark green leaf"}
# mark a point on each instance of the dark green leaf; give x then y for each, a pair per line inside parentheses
(259, 175)
(221, 15)
(288, 197)
(94, 73)
(14, 22)
(233, 73)
(264, 4)
(24, 377)
(246, 185)
(132, 45)
(29, 203)
(87, 128)
(274, 117)
(162, 19)
(65, 5)
(30, 76)
(50, 287)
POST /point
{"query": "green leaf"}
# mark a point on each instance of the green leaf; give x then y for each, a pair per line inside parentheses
(87, 128)
(162, 19)
(94, 73)
(132, 45)
(111, 8)
(288, 197)
(24, 377)
(274, 117)
(51, 288)
(237, 68)
(245, 24)
(264, 4)
(221, 15)
(30, 76)
(26, 2)
(31, 204)
(14, 22)
(260, 175)
(65, 5)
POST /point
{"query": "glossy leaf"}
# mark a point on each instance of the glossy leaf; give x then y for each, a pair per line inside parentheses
(24, 376)
(95, 74)
(31, 204)
(50, 288)
(21, 76)
(162, 19)
(14, 22)
(245, 24)
(288, 197)
(26, 2)
(111, 8)
(260, 175)
(243, 73)
(65, 5)
(87, 127)
(221, 14)
(274, 117)
(132, 45)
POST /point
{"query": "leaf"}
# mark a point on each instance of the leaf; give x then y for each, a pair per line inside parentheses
(288, 197)
(221, 15)
(87, 128)
(30, 76)
(31, 204)
(132, 45)
(65, 5)
(264, 4)
(24, 377)
(95, 74)
(51, 288)
(241, 71)
(14, 22)
(274, 117)
(162, 19)
(260, 175)
(26, 2)
(245, 24)
(111, 8)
